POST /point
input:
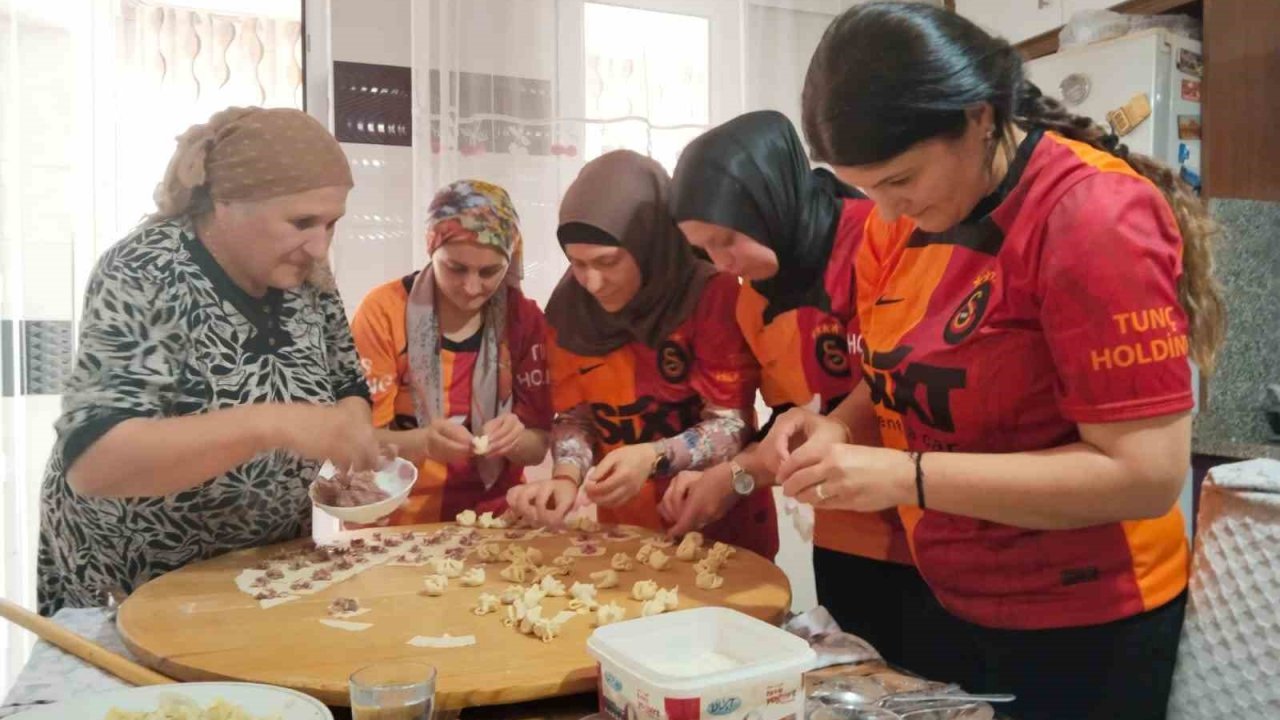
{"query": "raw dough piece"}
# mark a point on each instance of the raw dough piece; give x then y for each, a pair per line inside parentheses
(532, 596)
(564, 561)
(516, 572)
(552, 586)
(435, 585)
(670, 598)
(488, 552)
(466, 518)
(444, 641)
(708, 564)
(511, 594)
(473, 577)
(531, 617)
(486, 604)
(585, 550)
(659, 560)
(480, 444)
(345, 625)
(622, 562)
(642, 555)
(709, 581)
(546, 630)
(584, 596)
(605, 579)
(644, 590)
(489, 522)
(722, 551)
(690, 547)
(345, 607)
(533, 556)
(656, 606)
(447, 567)
(611, 613)
(582, 523)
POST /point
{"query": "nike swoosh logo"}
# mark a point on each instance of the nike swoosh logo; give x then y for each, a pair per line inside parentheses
(888, 301)
(585, 370)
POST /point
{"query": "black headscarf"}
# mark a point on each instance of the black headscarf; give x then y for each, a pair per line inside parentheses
(751, 174)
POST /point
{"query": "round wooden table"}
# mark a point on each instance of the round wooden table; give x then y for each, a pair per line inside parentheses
(195, 624)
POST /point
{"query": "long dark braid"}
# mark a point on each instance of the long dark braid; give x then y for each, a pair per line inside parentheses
(1198, 288)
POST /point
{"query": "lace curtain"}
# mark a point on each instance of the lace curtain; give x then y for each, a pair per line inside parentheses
(91, 94)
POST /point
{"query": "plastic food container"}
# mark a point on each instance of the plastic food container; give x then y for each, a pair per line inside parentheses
(710, 662)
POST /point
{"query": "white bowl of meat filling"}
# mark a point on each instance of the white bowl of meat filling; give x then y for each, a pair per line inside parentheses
(366, 496)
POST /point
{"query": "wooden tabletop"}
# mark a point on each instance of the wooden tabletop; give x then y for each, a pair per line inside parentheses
(195, 624)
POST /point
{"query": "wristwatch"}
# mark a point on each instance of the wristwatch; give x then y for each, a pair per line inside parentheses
(743, 483)
(661, 462)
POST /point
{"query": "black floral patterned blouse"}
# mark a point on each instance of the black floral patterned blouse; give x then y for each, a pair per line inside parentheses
(165, 333)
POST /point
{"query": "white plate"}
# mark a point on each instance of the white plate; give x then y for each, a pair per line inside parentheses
(257, 700)
(397, 481)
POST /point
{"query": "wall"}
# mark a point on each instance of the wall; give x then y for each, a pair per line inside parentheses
(1248, 260)
(373, 244)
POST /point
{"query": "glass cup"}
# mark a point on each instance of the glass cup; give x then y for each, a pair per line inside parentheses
(393, 690)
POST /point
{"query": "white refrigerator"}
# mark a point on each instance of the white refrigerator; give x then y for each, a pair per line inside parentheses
(1096, 79)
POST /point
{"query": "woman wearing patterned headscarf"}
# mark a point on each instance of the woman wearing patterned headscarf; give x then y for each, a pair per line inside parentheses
(456, 359)
(650, 373)
(215, 367)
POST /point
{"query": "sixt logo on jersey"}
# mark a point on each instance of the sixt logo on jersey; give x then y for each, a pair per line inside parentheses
(645, 420)
(912, 388)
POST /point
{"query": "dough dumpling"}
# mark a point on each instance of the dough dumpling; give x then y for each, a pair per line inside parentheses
(435, 585)
(605, 579)
(644, 590)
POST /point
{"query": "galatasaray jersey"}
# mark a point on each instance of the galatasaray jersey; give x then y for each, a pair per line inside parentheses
(638, 394)
(1057, 306)
(805, 359)
(380, 334)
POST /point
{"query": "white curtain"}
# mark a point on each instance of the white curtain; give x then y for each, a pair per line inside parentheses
(523, 92)
(92, 92)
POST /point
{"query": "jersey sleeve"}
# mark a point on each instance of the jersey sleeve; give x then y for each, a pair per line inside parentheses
(1109, 308)
(375, 339)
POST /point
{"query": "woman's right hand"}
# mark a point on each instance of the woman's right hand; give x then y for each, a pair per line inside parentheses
(447, 442)
(794, 428)
(543, 503)
(326, 432)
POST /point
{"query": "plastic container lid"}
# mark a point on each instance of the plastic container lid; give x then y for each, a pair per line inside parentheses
(651, 647)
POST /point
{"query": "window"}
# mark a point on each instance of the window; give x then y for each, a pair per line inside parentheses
(647, 80)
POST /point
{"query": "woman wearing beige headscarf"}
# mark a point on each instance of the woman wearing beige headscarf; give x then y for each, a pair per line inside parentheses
(215, 368)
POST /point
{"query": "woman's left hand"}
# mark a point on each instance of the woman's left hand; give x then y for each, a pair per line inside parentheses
(621, 474)
(849, 477)
(503, 433)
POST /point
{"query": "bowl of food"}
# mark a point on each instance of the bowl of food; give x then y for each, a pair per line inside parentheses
(364, 496)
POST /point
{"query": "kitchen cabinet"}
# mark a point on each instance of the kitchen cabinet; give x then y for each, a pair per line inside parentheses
(1014, 20)
(1241, 105)
(1071, 7)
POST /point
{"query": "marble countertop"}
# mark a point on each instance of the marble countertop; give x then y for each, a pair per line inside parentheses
(1234, 449)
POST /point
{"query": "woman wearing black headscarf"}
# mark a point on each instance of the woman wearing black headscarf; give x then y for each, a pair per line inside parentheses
(745, 193)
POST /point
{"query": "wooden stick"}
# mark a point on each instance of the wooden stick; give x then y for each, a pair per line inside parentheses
(87, 650)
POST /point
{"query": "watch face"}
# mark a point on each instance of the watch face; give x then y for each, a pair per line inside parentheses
(743, 483)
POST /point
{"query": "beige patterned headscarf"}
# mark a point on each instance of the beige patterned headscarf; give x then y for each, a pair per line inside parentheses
(250, 154)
